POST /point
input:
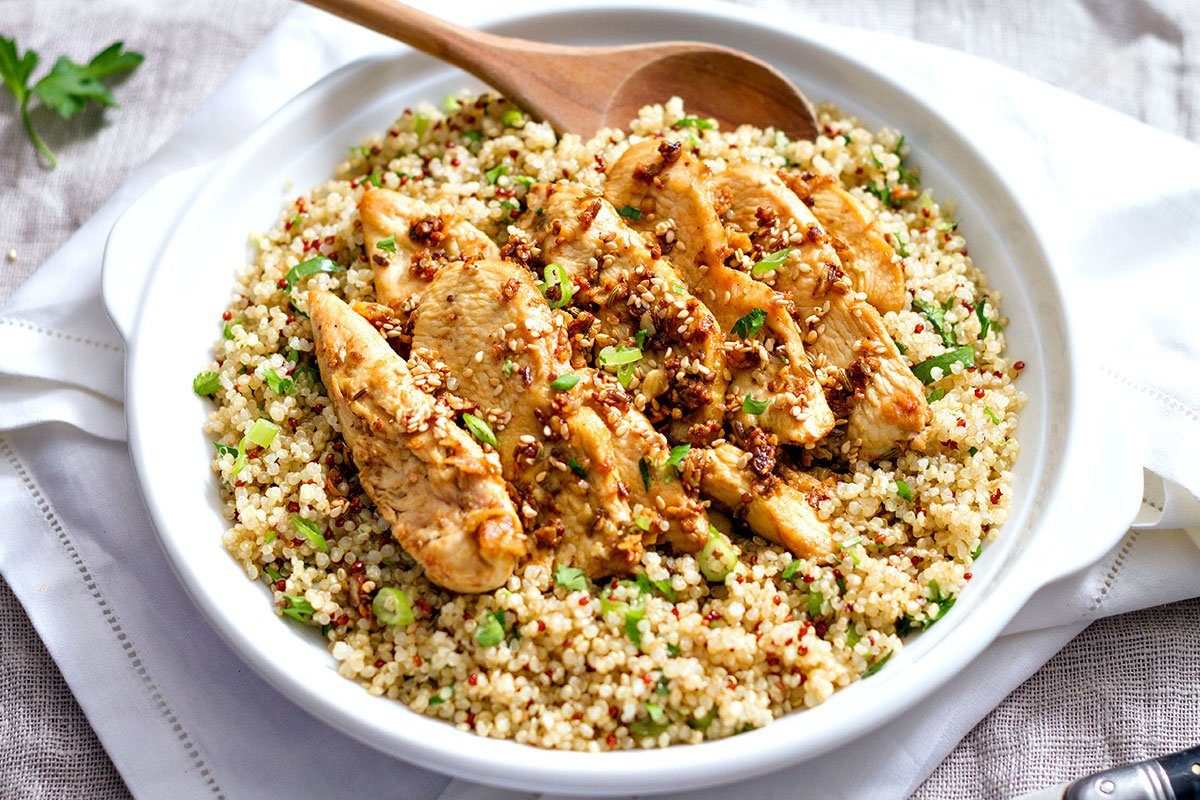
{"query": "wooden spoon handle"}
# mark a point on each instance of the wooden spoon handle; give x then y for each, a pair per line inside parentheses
(470, 50)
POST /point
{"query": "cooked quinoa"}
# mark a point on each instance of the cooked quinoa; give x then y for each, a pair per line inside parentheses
(619, 665)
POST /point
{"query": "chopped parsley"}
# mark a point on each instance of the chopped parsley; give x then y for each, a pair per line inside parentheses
(649, 586)
(937, 318)
(789, 572)
(678, 454)
(752, 406)
(493, 174)
(570, 578)
(630, 212)
(640, 338)
(654, 723)
(702, 723)
(644, 470)
(311, 533)
(525, 180)
(509, 367)
(878, 665)
(673, 650)
(479, 429)
(985, 324)
(770, 262)
(310, 267)
(973, 450)
(564, 382)
(375, 179)
(474, 136)
(902, 247)
(387, 245)
(576, 468)
(749, 325)
(815, 601)
(942, 603)
(935, 395)
(206, 383)
(492, 631)
(225, 449)
(904, 491)
(279, 385)
(298, 608)
(924, 370)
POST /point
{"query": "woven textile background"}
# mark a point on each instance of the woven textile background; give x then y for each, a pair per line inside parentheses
(1127, 688)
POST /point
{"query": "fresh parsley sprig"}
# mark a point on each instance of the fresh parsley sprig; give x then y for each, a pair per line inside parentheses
(66, 88)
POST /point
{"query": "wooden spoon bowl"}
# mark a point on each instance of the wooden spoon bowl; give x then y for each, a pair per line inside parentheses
(583, 89)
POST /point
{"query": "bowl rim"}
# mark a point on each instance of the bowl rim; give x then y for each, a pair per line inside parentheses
(498, 762)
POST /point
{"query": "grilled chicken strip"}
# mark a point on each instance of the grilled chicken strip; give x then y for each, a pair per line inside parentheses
(669, 189)
(868, 260)
(623, 288)
(873, 387)
(572, 469)
(444, 498)
(407, 242)
(780, 511)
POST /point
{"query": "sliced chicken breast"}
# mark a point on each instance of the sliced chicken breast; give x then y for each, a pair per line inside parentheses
(871, 386)
(668, 188)
(570, 468)
(443, 496)
(408, 241)
(869, 261)
(625, 294)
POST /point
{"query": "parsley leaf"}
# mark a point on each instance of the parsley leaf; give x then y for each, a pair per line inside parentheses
(752, 406)
(937, 318)
(924, 370)
(985, 324)
(570, 578)
(750, 324)
(66, 88)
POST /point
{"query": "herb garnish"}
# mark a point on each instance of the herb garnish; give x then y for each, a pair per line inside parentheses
(387, 245)
(391, 607)
(311, 533)
(555, 276)
(571, 578)
(306, 268)
(700, 123)
(752, 406)
(206, 383)
(479, 429)
(903, 490)
(279, 385)
(924, 370)
(937, 318)
(750, 324)
(564, 382)
(492, 631)
(493, 174)
(577, 468)
(298, 608)
(770, 262)
(644, 470)
(630, 212)
(985, 324)
(66, 88)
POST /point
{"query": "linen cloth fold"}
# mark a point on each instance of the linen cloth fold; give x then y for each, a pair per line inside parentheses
(181, 716)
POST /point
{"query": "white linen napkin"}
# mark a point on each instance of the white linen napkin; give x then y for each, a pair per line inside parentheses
(1117, 203)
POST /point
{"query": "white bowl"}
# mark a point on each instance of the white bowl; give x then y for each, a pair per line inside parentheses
(1069, 507)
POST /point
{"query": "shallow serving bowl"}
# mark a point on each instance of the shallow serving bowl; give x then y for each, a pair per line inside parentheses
(166, 295)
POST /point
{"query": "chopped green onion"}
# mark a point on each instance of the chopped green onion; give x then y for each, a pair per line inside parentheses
(992, 415)
(206, 383)
(902, 247)
(270, 537)
(474, 136)
(272, 573)
(298, 608)
(625, 375)
(525, 180)
(673, 650)
(310, 267)
(947, 225)
(616, 355)
(571, 578)
(878, 665)
(641, 522)
(509, 367)
(491, 632)
(815, 601)
(509, 204)
(750, 324)
(262, 432)
(387, 245)
(493, 174)
(853, 637)
(718, 558)
(564, 382)
(935, 395)
(789, 572)
(640, 338)
(576, 468)
(903, 490)
(296, 220)
(977, 551)
(699, 123)
(985, 324)
(312, 534)
(644, 470)
(420, 124)
(702, 723)
(375, 179)
(752, 406)
(451, 104)
(630, 212)
(924, 370)
(479, 429)
(556, 275)
(770, 262)
(648, 586)
(655, 723)
(511, 117)
(225, 449)
(279, 385)
(972, 450)
(438, 699)
(391, 607)
(678, 454)
(663, 687)
(942, 603)
(937, 318)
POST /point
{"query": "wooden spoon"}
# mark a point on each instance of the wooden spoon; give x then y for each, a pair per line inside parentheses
(583, 89)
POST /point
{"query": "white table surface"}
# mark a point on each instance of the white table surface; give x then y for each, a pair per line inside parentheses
(1126, 689)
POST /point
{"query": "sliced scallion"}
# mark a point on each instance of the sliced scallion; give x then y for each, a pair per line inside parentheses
(311, 533)
(678, 454)
(577, 468)
(298, 608)
(992, 415)
(555, 275)
(616, 355)
(262, 432)
(511, 117)
(564, 382)
(479, 429)
(700, 123)
(718, 558)
(644, 471)
(491, 632)
(391, 607)
(903, 490)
